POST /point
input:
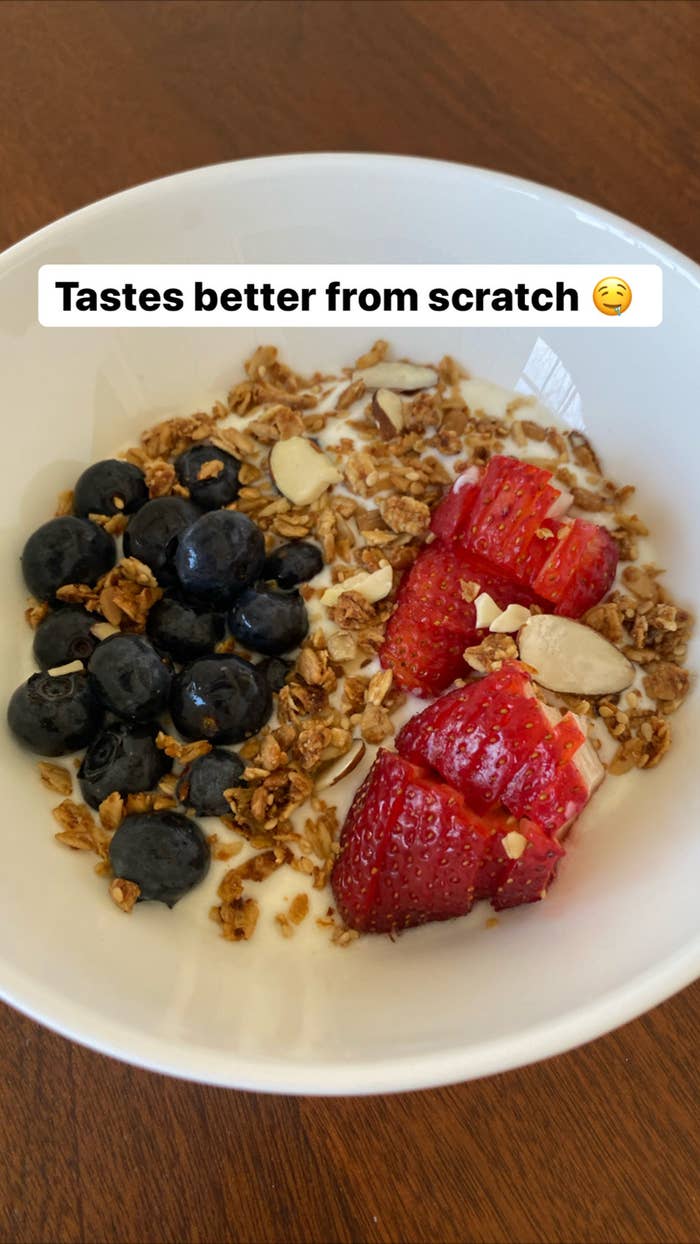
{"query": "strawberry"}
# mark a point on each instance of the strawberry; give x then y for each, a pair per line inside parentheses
(461, 735)
(433, 623)
(509, 879)
(450, 518)
(513, 502)
(502, 520)
(496, 743)
(410, 850)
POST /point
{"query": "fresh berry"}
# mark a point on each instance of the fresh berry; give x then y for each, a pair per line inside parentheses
(496, 743)
(64, 636)
(203, 782)
(66, 550)
(266, 620)
(164, 853)
(506, 521)
(220, 554)
(122, 758)
(466, 735)
(292, 564)
(519, 870)
(211, 491)
(451, 517)
(55, 714)
(433, 622)
(221, 698)
(184, 631)
(410, 850)
(580, 569)
(110, 487)
(513, 502)
(276, 671)
(130, 678)
(153, 533)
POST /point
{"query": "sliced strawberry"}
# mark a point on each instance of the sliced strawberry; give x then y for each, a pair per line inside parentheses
(496, 743)
(580, 568)
(509, 881)
(451, 517)
(557, 779)
(513, 502)
(463, 734)
(410, 850)
(594, 574)
(433, 623)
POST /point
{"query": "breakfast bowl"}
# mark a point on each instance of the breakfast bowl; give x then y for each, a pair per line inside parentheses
(449, 1001)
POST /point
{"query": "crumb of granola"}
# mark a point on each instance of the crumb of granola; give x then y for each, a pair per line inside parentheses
(111, 811)
(35, 612)
(123, 596)
(56, 777)
(124, 893)
(64, 503)
(375, 723)
(238, 919)
(184, 752)
(667, 681)
(78, 828)
(405, 515)
(469, 589)
(376, 354)
(490, 654)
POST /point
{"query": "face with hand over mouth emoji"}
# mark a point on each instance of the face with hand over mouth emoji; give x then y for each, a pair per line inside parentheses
(612, 295)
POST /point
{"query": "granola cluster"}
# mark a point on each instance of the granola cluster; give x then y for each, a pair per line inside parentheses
(335, 702)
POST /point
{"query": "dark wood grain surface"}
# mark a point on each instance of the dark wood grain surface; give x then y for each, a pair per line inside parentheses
(596, 98)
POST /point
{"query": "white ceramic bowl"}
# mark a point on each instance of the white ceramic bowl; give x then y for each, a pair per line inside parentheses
(621, 929)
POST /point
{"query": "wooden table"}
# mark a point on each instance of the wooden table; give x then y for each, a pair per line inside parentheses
(599, 99)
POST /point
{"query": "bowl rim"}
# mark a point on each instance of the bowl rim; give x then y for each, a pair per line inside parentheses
(409, 1072)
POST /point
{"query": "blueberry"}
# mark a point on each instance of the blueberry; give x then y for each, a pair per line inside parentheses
(154, 531)
(276, 671)
(55, 715)
(269, 621)
(164, 853)
(216, 490)
(218, 555)
(122, 758)
(66, 550)
(220, 698)
(293, 563)
(202, 784)
(130, 678)
(64, 636)
(183, 630)
(110, 487)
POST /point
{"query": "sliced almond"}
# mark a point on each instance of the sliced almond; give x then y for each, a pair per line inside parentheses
(570, 657)
(373, 586)
(486, 609)
(405, 377)
(387, 412)
(73, 667)
(514, 844)
(103, 630)
(510, 620)
(300, 470)
(338, 769)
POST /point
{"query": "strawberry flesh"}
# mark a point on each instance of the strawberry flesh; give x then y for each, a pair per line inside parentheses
(509, 882)
(494, 741)
(410, 850)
